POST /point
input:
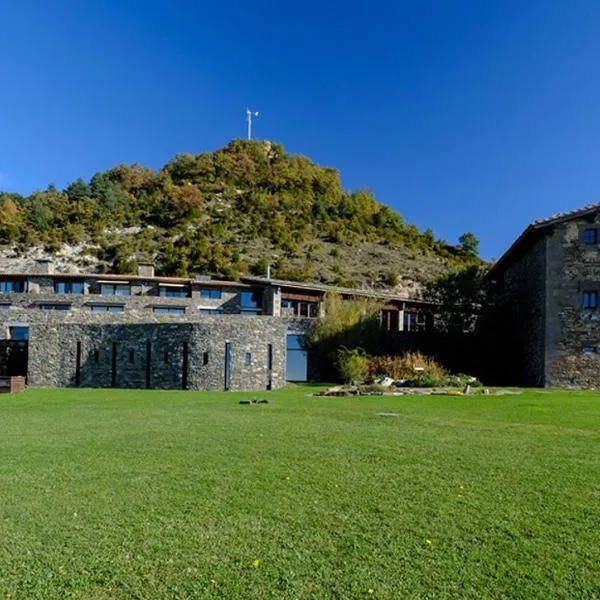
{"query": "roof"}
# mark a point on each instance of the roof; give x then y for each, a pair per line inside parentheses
(321, 287)
(245, 283)
(539, 225)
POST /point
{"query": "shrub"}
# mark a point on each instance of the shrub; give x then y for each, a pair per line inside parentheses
(405, 366)
(353, 364)
(425, 379)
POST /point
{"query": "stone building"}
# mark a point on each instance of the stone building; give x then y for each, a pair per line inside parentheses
(144, 331)
(549, 282)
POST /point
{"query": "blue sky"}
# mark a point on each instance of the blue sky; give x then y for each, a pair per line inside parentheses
(462, 115)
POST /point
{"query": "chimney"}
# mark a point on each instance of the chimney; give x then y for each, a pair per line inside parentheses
(145, 270)
(44, 266)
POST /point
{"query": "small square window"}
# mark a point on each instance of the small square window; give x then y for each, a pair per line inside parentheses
(589, 350)
(590, 299)
(590, 236)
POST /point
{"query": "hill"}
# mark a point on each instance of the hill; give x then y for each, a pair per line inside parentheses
(225, 213)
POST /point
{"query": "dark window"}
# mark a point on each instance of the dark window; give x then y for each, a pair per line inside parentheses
(18, 332)
(166, 358)
(96, 355)
(227, 365)
(55, 306)
(589, 349)
(169, 310)
(205, 358)
(250, 303)
(590, 299)
(210, 312)
(173, 292)
(131, 356)
(68, 287)
(12, 286)
(4, 306)
(590, 236)
(115, 289)
(107, 308)
(248, 358)
(215, 294)
(414, 321)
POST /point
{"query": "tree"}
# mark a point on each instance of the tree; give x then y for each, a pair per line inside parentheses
(462, 296)
(469, 244)
(347, 323)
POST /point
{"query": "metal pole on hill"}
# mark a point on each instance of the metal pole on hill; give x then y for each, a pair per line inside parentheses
(249, 115)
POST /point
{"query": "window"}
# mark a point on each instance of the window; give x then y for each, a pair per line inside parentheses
(115, 289)
(131, 356)
(589, 349)
(250, 303)
(18, 332)
(169, 310)
(590, 299)
(96, 355)
(55, 306)
(107, 308)
(248, 358)
(294, 308)
(12, 285)
(68, 287)
(214, 294)
(166, 358)
(172, 292)
(414, 321)
(5, 306)
(590, 236)
(210, 312)
(205, 358)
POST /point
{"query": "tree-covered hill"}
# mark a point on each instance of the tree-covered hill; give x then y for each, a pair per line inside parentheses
(227, 213)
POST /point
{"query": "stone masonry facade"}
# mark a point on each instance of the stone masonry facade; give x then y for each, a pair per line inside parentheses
(147, 331)
(240, 353)
(550, 282)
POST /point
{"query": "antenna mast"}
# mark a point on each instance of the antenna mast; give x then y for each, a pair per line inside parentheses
(249, 115)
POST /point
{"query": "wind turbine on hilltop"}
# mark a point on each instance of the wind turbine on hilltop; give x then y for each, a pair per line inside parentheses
(249, 115)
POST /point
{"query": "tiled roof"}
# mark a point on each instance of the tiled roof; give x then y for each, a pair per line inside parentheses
(565, 216)
(541, 224)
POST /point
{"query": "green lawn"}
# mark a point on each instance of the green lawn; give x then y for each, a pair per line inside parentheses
(154, 495)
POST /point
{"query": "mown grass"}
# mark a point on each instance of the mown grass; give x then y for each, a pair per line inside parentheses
(130, 494)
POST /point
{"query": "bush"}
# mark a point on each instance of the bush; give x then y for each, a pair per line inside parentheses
(405, 366)
(426, 380)
(353, 364)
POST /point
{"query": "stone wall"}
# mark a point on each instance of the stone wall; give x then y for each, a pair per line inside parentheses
(159, 355)
(18, 308)
(572, 268)
(520, 334)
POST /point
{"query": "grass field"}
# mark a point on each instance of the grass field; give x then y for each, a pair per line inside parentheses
(130, 494)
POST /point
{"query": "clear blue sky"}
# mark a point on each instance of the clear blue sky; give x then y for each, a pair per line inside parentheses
(462, 115)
